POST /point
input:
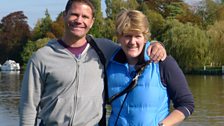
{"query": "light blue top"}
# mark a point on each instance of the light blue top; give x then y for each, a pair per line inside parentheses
(147, 104)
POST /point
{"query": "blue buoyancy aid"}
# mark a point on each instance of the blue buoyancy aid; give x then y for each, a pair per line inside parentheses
(147, 104)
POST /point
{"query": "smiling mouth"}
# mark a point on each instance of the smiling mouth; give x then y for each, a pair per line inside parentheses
(132, 47)
(74, 25)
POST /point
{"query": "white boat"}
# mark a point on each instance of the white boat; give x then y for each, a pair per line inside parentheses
(10, 65)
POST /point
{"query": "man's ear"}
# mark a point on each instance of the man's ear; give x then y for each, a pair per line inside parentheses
(92, 23)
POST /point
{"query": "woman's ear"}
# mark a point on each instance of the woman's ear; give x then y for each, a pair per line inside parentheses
(146, 40)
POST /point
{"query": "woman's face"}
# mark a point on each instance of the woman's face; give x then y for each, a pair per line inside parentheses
(132, 44)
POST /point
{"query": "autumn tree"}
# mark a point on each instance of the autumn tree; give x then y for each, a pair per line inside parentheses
(57, 27)
(15, 33)
(220, 13)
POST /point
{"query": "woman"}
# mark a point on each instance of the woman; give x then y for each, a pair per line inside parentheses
(145, 100)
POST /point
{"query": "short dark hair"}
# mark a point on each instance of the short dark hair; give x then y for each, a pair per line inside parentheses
(87, 2)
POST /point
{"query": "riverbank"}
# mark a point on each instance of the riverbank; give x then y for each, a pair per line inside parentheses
(208, 71)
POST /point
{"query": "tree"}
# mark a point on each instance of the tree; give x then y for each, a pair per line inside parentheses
(97, 30)
(207, 10)
(43, 27)
(15, 33)
(187, 44)
(115, 6)
(109, 30)
(57, 27)
(216, 35)
(220, 13)
(167, 8)
(156, 22)
(31, 47)
(190, 16)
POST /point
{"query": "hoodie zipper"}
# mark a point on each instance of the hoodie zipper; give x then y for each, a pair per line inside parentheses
(76, 92)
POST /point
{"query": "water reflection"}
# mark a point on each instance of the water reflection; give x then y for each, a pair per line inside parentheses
(9, 97)
(208, 93)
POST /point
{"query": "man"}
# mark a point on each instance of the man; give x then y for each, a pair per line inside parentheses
(64, 81)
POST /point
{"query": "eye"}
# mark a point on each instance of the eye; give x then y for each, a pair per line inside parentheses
(74, 15)
(139, 36)
(85, 17)
(127, 36)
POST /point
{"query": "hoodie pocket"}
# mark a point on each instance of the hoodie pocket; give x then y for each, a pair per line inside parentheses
(58, 112)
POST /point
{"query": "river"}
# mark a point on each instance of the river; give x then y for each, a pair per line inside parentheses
(208, 93)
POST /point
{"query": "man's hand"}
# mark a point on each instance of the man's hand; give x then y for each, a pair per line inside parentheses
(156, 51)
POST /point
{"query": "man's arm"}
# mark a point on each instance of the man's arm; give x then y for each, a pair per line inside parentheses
(30, 96)
(157, 51)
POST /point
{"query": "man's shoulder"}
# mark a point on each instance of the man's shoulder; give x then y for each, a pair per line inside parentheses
(46, 49)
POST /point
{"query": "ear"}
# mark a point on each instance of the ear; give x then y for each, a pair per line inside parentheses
(92, 23)
(145, 41)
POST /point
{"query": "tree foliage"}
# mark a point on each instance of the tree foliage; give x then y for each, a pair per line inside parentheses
(115, 6)
(156, 22)
(57, 27)
(187, 43)
(167, 8)
(97, 29)
(42, 28)
(216, 35)
(30, 47)
(14, 34)
(190, 16)
(207, 10)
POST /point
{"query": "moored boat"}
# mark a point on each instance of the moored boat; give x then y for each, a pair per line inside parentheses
(10, 65)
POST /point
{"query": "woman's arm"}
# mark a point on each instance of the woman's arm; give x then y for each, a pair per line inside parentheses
(174, 118)
(178, 91)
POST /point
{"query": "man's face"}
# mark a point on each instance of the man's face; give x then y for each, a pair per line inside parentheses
(78, 20)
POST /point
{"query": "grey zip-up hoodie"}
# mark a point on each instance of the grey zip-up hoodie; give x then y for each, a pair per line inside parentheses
(62, 90)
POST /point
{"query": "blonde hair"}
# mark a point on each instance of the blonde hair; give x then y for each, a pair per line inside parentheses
(132, 20)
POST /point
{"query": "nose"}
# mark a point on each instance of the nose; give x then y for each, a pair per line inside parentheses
(79, 19)
(132, 40)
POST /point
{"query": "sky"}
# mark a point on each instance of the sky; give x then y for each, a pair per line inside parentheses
(35, 9)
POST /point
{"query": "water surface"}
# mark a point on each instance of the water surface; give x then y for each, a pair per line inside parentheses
(208, 93)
